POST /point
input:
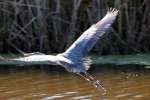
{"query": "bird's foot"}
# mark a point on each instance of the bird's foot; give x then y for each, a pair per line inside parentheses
(96, 83)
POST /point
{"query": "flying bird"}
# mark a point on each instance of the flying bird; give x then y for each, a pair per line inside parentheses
(74, 58)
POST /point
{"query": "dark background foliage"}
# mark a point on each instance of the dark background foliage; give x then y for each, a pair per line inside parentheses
(50, 26)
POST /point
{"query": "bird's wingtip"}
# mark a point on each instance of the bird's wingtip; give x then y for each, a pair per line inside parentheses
(113, 11)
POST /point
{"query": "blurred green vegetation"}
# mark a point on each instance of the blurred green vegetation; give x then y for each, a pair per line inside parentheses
(52, 25)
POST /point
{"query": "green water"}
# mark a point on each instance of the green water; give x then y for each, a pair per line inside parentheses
(137, 59)
(134, 59)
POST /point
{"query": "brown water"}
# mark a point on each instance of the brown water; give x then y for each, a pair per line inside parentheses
(44, 84)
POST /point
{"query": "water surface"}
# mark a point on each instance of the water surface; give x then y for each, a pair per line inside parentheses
(122, 83)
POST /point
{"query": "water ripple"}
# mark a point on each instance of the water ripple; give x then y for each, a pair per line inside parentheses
(38, 85)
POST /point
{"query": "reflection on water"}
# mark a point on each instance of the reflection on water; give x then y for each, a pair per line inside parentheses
(44, 84)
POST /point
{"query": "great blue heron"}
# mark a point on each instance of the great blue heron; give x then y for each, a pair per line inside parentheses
(73, 59)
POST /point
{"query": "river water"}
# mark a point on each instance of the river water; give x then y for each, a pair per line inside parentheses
(121, 83)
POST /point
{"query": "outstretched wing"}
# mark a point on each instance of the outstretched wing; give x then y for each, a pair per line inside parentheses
(89, 38)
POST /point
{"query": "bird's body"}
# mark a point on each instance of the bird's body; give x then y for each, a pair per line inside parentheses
(73, 59)
(68, 64)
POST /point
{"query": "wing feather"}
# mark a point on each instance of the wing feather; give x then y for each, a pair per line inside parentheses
(89, 38)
